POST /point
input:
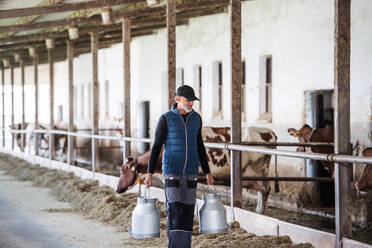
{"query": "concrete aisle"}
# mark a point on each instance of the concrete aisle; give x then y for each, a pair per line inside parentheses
(31, 217)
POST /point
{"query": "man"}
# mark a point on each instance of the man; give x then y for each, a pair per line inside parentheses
(179, 130)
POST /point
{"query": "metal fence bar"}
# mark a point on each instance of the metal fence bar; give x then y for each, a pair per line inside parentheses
(287, 179)
(229, 146)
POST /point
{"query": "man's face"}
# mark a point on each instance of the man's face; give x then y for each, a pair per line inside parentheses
(185, 104)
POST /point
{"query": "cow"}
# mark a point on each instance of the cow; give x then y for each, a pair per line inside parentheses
(364, 182)
(132, 168)
(29, 136)
(18, 136)
(253, 164)
(60, 143)
(308, 134)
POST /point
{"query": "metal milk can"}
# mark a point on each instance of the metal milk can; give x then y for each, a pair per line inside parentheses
(212, 215)
(145, 218)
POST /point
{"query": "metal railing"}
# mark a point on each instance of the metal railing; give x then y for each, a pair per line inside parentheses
(244, 147)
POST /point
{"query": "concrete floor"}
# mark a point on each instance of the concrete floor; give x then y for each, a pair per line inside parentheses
(31, 217)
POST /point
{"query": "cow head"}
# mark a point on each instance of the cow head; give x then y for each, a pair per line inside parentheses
(128, 175)
(364, 182)
(302, 134)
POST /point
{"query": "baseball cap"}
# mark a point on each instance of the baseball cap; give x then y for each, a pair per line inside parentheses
(188, 92)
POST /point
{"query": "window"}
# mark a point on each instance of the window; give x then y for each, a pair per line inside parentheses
(90, 103)
(197, 75)
(268, 84)
(220, 86)
(75, 101)
(107, 100)
(243, 87)
(200, 79)
(179, 77)
(82, 99)
(265, 101)
(60, 113)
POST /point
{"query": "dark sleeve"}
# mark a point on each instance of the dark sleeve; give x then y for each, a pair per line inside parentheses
(201, 151)
(160, 135)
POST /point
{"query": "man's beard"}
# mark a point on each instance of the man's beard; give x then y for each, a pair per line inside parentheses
(184, 107)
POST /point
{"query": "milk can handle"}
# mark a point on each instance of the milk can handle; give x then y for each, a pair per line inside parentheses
(214, 186)
(147, 192)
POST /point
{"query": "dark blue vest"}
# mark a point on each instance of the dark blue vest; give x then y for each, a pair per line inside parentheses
(180, 148)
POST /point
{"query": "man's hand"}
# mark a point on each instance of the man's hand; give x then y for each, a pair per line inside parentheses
(210, 179)
(148, 180)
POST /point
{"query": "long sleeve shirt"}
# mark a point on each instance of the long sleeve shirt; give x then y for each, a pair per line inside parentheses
(160, 136)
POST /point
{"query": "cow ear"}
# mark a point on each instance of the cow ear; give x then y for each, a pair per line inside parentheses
(293, 132)
(132, 166)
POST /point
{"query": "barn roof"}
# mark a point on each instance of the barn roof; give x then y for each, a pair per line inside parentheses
(25, 24)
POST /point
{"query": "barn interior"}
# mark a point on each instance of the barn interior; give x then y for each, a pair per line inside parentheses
(84, 82)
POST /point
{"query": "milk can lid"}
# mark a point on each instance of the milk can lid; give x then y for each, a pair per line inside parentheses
(142, 199)
(211, 196)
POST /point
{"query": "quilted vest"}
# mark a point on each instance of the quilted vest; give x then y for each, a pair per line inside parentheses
(180, 154)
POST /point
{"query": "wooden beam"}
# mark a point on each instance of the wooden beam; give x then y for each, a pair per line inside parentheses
(171, 45)
(36, 83)
(23, 137)
(95, 102)
(3, 100)
(70, 57)
(46, 24)
(126, 29)
(118, 15)
(12, 100)
(236, 80)
(342, 118)
(42, 10)
(51, 102)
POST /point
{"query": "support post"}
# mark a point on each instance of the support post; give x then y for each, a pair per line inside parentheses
(70, 58)
(171, 34)
(3, 99)
(342, 118)
(126, 48)
(95, 148)
(36, 62)
(236, 79)
(23, 125)
(51, 103)
(12, 101)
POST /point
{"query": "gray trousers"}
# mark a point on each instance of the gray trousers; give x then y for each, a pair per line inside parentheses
(180, 194)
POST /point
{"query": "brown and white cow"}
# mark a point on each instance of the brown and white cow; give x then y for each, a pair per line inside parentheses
(60, 143)
(364, 182)
(308, 134)
(253, 164)
(132, 168)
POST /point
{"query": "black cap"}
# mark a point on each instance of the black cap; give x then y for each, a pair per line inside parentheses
(188, 92)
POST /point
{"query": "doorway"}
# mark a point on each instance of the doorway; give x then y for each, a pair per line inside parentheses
(320, 114)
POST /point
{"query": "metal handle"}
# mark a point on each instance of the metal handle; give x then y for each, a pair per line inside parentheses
(214, 186)
(147, 192)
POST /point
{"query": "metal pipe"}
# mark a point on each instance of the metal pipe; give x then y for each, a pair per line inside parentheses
(284, 144)
(287, 179)
(316, 156)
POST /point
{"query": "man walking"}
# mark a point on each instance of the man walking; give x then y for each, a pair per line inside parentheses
(179, 130)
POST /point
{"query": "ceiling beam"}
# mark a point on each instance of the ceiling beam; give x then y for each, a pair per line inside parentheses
(42, 10)
(116, 15)
(46, 24)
